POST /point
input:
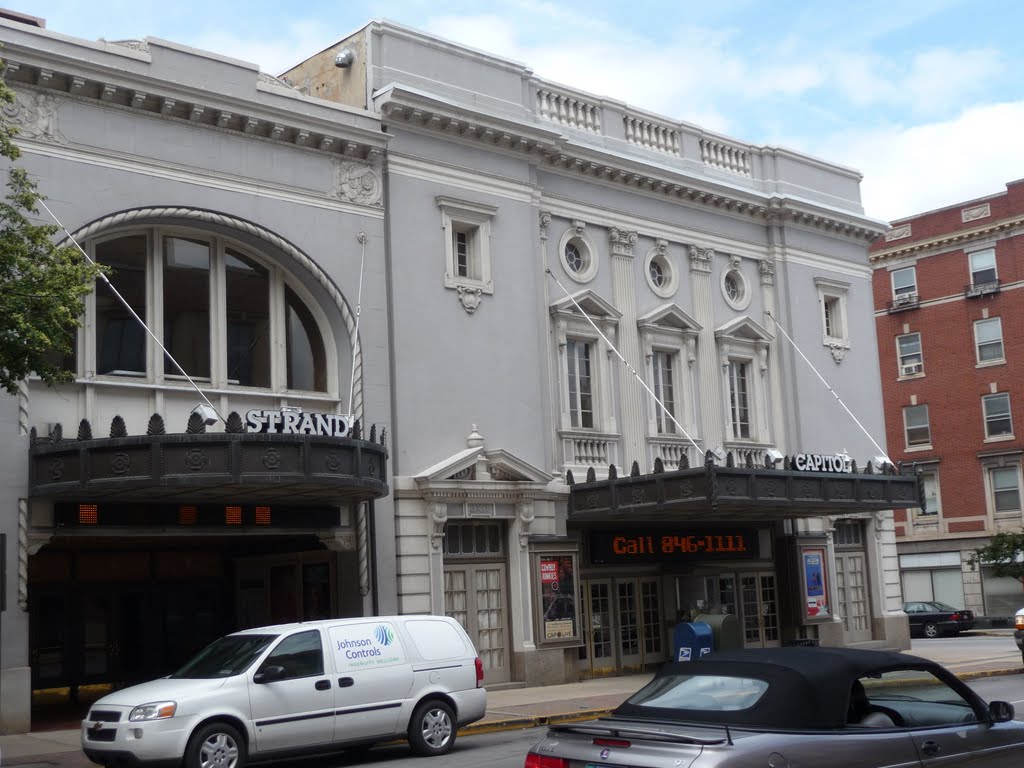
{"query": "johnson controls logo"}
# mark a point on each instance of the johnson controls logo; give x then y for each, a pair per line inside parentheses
(385, 635)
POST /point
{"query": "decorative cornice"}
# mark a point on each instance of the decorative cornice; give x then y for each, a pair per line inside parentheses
(946, 240)
(420, 111)
(244, 118)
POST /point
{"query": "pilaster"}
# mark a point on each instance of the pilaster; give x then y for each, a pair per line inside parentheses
(624, 296)
(710, 406)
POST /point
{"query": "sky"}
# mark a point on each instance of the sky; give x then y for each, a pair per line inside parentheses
(924, 97)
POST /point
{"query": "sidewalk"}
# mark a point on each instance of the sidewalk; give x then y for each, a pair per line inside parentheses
(518, 708)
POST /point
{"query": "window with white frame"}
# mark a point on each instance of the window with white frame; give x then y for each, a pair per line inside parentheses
(832, 300)
(169, 277)
(578, 354)
(916, 427)
(996, 408)
(1005, 486)
(467, 237)
(988, 340)
(739, 398)
(743, 348)
(582, 364)
(932, 497)
(983, 266)
(663, 364)
(909, 355)
(904, 285)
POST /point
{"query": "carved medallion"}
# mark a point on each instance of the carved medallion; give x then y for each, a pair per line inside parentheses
(56, 470)
(196, 459)
(271, 458)
(686, 488)
(356, 183)
(333, 461)
(120, 463)
(639, 495)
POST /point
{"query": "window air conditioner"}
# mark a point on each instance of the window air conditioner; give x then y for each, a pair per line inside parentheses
(910, 369)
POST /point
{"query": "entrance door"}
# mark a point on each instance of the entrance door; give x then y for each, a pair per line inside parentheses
(474, 597)
(622, 626)
(114, 622)
(759, 610)
(852, 592)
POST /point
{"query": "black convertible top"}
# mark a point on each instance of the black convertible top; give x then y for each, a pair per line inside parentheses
(808, 688)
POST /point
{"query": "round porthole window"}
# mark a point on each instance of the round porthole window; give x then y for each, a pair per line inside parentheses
(577, 256)
(734, 288)
(661, 277)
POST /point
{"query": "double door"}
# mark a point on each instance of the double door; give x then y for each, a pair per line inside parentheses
(753, 599)
(475, 596)
(622, 625)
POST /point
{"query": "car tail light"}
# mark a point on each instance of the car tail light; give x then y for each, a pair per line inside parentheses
(955, 617)
(479, 672)
(533, 760)
(612, 743)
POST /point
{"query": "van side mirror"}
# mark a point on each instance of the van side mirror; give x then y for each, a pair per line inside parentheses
(268, 675)
(1000, 711)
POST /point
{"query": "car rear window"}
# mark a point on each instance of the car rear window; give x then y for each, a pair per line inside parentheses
(706, 693)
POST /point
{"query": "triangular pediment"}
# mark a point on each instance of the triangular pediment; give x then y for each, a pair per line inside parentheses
(670, 316)
(591, 303)
(478, 464)
(742, 329)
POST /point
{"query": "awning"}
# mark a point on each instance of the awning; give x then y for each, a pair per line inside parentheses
(191, 468)
(739, 493)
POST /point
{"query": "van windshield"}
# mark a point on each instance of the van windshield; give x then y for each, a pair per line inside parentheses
(228, 656)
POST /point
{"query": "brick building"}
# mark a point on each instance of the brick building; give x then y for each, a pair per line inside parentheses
(951, 353)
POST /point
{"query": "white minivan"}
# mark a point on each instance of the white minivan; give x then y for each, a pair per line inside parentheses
(297, 689)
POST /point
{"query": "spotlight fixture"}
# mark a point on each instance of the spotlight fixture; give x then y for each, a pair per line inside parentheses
(774, 454)
(344, 58)
(206, 413)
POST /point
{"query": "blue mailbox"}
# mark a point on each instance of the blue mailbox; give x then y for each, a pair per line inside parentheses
(691, 640)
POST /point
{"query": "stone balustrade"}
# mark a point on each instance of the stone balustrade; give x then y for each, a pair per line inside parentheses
(725, 156)
(568, 110)
(651, 135)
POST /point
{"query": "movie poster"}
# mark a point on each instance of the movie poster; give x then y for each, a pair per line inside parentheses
(815, 578)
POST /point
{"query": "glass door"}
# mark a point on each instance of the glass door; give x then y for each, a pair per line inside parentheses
(622, 626)
(597, 654)
(759, 610)
(852, 593)
(474, 597)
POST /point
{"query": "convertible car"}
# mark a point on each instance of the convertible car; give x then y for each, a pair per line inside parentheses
(840, 707)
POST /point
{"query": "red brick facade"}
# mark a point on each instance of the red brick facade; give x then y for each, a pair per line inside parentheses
(953, 382)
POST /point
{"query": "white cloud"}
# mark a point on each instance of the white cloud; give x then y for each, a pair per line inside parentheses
(909, 170)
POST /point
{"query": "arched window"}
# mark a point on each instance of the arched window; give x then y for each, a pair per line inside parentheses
(211, 302)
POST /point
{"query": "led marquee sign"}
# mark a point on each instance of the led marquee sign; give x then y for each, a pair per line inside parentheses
(677, 543)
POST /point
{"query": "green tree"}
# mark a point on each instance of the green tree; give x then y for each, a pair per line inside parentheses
(1004, 553)
(42, 286)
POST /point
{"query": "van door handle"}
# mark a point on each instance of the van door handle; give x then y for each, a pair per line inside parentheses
(346, 682)
(931, 748)
(323, 685)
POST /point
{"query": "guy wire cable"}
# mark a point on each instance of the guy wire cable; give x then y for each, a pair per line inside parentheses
(132, 311)
(829, 387)
(628, 366)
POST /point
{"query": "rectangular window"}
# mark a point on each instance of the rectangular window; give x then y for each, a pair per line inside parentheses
(988, 340)
(904, 284)
(915, 420)
(473, 538)
(463, 245)
(983, 266)
(997, 415)
(932, 500)
(247, 292)
(1005, 489)
(187, 306)
(581, 394)
(120, 338)
(832, 324)
(739, 404)
(908, 349)
(665, 392)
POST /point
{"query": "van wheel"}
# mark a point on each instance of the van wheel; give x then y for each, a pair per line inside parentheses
(431, 730)
(215, 745)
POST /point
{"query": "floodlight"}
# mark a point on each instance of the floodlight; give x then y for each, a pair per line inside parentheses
(206, 413)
